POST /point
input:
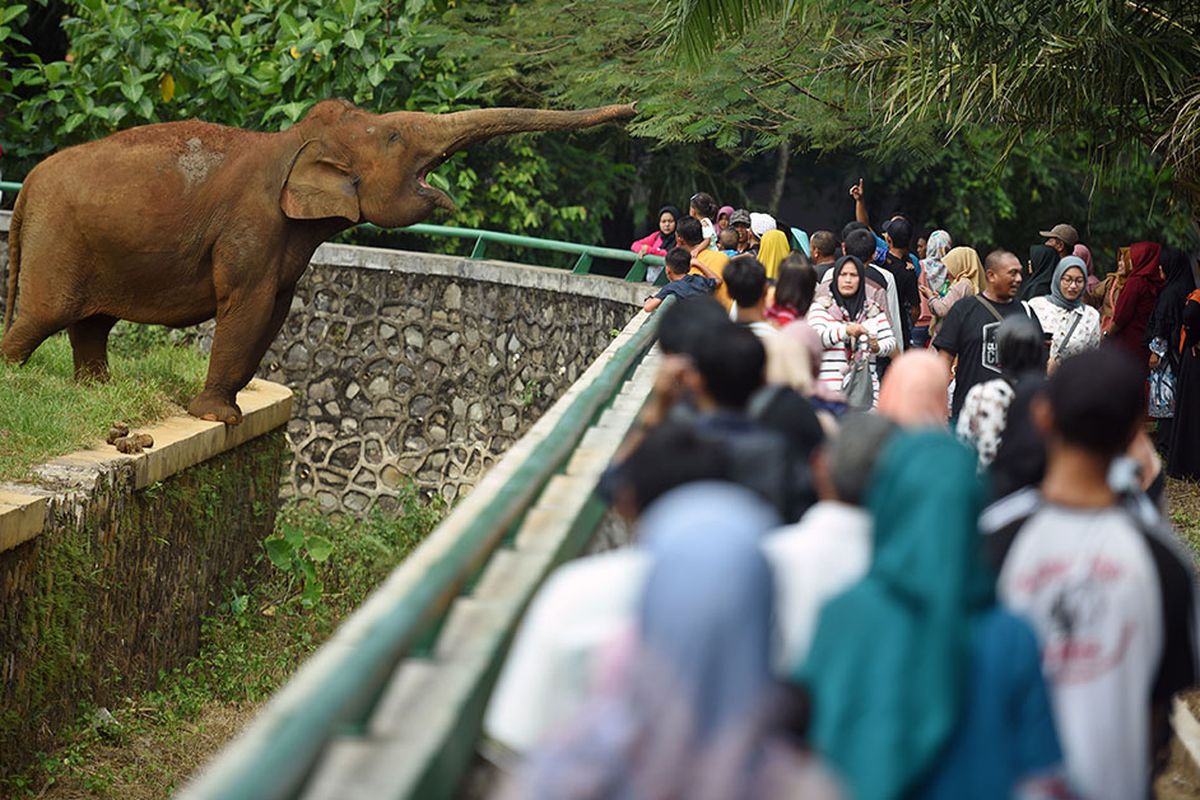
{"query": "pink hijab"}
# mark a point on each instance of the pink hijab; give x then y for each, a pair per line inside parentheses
(1081, 251)
(723, 211)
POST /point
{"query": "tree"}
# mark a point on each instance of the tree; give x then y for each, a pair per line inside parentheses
(1121, 70)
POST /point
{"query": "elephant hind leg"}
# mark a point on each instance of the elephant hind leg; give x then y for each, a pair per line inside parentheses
(28, 331)
(89, 343)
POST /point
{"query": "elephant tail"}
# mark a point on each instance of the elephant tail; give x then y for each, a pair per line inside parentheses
(14, 259)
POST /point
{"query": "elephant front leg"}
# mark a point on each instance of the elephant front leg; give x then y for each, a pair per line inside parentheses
(246, 327)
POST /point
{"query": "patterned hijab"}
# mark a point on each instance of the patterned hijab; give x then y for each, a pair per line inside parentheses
(936, 247)
(1056, 293)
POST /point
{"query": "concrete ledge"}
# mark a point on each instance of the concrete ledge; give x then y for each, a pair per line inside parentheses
(179, 443)
(506, 273)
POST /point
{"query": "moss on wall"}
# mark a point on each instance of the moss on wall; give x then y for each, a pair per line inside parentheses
(112, 592)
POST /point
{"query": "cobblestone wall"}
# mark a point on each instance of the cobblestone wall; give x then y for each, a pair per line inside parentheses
(404, 372)
(409, 365)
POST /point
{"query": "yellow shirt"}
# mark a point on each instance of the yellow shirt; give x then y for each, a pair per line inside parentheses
(716, 261)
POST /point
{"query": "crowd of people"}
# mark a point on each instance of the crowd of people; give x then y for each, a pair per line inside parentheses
(877, 294)
(898, 529)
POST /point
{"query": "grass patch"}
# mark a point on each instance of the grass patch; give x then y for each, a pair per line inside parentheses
(44, 413)
(1183, 504)
(148, 745)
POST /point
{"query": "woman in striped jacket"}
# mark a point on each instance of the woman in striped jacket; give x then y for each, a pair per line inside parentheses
(851, 328)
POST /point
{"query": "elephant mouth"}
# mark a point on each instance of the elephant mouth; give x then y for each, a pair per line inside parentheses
(439, 197)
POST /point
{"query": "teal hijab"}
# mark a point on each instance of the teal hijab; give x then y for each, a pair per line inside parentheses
(1056, 293)
(889, 662)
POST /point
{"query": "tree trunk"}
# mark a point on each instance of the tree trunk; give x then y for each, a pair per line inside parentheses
(781, 168)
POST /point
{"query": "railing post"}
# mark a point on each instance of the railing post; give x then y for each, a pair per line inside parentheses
(584, 265)
(637, 273)
(480, 245)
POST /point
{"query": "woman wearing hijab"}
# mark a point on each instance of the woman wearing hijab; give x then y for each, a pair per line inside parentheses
(1133, 308)
(931, 253)
(1183, 458)
(660, 241)
(1074, 326)
(922, 686)
(1081, 251)
(772, 249)
(1104, 295)
(687, 712)
(962, 277)
(1042, 261)
(723, 215)
(854, 332)
(1162, 338)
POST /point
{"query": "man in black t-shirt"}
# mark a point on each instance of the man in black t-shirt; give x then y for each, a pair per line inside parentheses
(969, 331)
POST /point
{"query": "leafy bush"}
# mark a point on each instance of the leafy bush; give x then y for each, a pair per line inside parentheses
(262, 64)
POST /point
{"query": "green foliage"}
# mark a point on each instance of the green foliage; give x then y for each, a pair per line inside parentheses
(298, 553)
(250, 645)
(262, 64)
(45, 413)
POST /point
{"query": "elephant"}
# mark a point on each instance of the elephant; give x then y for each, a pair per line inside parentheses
(179, 222)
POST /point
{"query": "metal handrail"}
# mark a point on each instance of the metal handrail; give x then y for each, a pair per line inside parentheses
(276, 763)
(583, 265)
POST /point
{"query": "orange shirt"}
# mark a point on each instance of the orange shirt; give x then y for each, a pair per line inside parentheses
(715, 260)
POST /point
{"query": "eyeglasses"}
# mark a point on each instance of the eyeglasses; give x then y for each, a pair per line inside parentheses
(1072, 281)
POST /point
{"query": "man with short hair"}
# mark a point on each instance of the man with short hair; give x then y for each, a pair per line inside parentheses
(1109, 593)
(739, 220)
(1062, 238)
(787, 361)
(822, 248)
(968, 333)
(830, 547)
(690, 235)
(897, 234)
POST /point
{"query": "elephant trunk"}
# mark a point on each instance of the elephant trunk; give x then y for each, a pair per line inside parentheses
(463, 128)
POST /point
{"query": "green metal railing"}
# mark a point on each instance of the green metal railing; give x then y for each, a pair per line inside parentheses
(583, 265)
(277, 763)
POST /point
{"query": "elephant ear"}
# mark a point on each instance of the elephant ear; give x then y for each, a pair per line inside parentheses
(318, 187)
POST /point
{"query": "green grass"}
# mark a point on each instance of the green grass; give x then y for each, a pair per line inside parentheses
(250, 644)
(45, 413)
(1183, 504)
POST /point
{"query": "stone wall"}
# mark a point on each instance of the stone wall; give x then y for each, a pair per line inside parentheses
(424, 367)
(112, 590)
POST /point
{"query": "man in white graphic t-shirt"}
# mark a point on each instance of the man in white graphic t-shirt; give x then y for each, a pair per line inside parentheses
(1109, 594)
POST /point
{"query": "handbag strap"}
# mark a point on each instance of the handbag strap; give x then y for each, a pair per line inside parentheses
(1071, 330)
(989, 307)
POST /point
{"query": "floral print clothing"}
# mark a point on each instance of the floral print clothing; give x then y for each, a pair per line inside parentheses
(1058, 321)
(983, 418)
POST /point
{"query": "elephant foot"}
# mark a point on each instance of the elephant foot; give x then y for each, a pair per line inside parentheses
(214, 408)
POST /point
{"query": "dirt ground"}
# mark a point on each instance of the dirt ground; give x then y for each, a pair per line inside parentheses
(152, 765)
